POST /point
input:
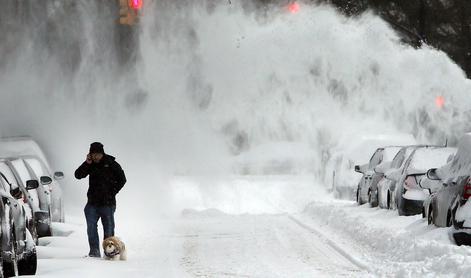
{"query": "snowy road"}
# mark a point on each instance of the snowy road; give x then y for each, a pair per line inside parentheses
(207, 244)
(260, 227)
(258, 235)
(258, 246)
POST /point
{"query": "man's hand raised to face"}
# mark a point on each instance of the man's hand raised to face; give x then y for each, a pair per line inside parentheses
(89, 159)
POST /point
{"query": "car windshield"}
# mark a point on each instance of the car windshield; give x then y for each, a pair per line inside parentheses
(6, 171)
(389, 153)
(376, 159)
(427, 158)
(21, 169)
(36, 166)
(4, 185)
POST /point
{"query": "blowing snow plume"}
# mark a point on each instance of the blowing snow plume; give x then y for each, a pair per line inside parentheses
(213, 80)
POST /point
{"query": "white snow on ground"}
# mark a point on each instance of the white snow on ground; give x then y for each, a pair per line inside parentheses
(392, 245)
(254, 228)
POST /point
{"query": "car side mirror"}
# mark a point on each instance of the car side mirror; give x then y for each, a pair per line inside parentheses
(45, 180)
(32, 184)
(432, 174)
(357, 169)
(16, 193)
(58, 175)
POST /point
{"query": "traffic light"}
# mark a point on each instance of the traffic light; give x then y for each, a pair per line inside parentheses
(129, 11)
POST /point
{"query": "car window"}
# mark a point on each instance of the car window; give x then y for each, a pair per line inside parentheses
(4, 185)
(36, 166)
(5, 169)
(21, 169)
(398, 159)
(376, 159)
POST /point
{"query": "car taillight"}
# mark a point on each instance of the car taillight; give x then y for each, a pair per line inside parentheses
(25, 199)
(467, 189)
(135, 4)
(410, 182)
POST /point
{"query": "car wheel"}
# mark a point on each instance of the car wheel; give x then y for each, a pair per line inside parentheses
(29, 263)
(42, 222)
(33, 230)
(358, 196)
(389, 201)
(10, 268)
(430, 216)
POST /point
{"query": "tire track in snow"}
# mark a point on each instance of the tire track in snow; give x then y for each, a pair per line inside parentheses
(361, 265)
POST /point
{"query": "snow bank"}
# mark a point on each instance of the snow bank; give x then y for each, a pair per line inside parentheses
(393, 246)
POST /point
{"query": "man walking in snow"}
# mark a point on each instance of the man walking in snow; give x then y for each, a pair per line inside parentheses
(106, 178)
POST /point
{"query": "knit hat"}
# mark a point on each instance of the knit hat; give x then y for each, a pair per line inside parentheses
(97, 147)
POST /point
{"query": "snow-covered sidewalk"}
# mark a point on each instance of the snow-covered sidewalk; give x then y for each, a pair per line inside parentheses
(391, 245)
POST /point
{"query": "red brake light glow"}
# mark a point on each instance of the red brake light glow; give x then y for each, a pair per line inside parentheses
(135, 4)
(293, 7)
(440, 102)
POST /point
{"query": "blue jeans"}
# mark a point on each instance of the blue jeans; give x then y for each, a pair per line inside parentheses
(93, 214)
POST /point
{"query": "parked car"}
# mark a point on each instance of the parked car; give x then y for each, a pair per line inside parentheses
(451, 189)
(437, 207)
(408, 194)
(27, 147)
(18, 251)
(354, 148)
(367, 187)
(37, 198)
(387, 186)
(367, 171)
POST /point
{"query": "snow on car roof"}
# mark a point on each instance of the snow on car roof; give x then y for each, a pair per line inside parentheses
(361, 149)
(461, 163)
(21, 146)
(427, 158)
(390, 152)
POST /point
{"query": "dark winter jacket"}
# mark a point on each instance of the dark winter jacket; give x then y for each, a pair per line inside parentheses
(105, 181)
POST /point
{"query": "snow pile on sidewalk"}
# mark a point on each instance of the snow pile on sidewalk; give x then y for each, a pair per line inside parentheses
(392, 245)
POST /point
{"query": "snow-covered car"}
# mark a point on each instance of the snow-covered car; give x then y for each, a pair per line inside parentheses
(408, 194)
(441, 206)
(387, 186)
(37, 198)
(351, 150)
(388, 154)
(26, 147)
(450, 203)
(23, 195)
(437, 207)
(38, 171)
(367, 187)
(18, 248)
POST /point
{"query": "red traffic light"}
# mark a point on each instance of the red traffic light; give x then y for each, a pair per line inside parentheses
(135, 4)
(293, 7)
(440, 101)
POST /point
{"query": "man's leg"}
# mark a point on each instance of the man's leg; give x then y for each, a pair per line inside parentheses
(92, 216)
(107, 219)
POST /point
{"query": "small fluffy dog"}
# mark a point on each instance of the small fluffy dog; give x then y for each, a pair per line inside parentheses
(114, 249)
